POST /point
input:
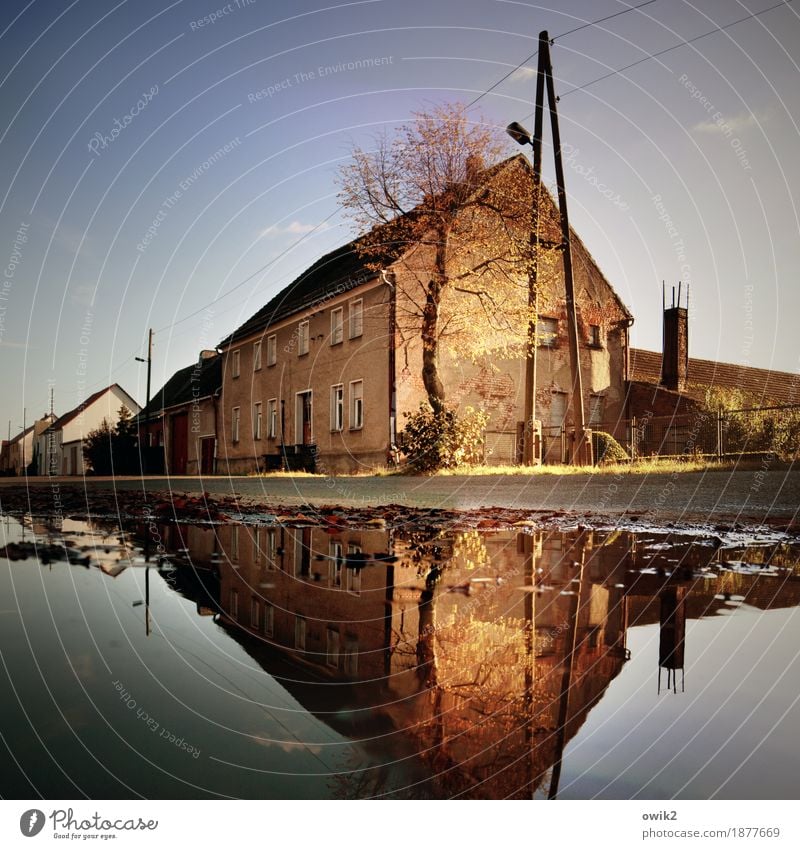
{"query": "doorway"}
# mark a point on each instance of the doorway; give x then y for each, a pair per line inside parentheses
(304, 434)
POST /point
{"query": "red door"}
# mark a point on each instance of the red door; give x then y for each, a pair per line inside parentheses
(180, 443)
(207, 455)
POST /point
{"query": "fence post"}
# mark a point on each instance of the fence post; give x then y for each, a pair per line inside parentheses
(719, 433)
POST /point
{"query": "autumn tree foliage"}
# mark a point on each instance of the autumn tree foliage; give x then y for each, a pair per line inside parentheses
(435, 200)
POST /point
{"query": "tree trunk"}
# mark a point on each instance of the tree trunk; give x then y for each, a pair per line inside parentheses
(430, 329)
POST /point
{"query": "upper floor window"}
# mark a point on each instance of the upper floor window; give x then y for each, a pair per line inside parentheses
(594, 336)
(235, 364)
(356, 318)
(302, 338)
(257, 356)
(272, 350)
(337, 325)
(547, 331)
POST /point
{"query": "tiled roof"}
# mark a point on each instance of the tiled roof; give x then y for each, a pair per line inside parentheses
(767, 385)
(188, 384)
(342, 270)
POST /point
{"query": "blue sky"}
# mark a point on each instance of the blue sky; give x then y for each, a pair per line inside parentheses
(159, 163)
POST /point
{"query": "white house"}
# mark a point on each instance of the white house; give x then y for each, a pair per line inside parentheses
(59, 449)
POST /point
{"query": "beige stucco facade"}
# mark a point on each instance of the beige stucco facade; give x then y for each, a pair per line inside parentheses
(312, 363)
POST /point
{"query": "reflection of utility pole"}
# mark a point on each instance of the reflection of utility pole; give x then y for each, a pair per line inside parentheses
(528, 544)
(566, 685)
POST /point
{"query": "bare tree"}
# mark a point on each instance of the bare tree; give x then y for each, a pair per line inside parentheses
(430, 199)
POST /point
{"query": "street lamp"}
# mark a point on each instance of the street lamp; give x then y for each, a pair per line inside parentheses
(149, 361)
(522, 137)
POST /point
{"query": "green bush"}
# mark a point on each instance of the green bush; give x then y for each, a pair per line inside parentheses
(607, 449)
(444, 441)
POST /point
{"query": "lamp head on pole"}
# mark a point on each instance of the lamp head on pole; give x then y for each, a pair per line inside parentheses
(519, 133)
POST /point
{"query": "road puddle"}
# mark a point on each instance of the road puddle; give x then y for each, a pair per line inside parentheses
(309, 659)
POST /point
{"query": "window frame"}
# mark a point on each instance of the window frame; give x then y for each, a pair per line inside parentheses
(257, 420)
(353, 399)
(337, 408)
(236, 424)
(546, 338)
(236, 363)
(337, 328)
(356, 317)
(272, 418)
(303, 338)
(595, 336)
(272, 349)
(257, 356)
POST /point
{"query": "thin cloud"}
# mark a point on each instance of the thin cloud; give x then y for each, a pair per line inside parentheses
(736, 124)
(295, 228)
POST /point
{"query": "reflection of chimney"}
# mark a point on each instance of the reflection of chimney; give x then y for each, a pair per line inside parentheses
(672, 635)
(675, 356)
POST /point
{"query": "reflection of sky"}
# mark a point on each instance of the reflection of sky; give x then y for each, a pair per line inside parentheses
(79, 634)
(732, 733)
(81, 291)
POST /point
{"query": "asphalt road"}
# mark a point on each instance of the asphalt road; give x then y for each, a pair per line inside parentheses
(756, 495)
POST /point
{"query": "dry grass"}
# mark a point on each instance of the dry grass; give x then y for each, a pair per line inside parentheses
(641, 467)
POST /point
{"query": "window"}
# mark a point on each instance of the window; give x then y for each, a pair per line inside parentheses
(257, 420)
(594, 336)
(300, 633)
(234, 542)
(257, 356)
(233, 604)
(337, 407)
(335, 564)
(337, 325)
(235, 417)
(356, 405)
(595, 409)
(272, 548)
(332, 653)
(272, 418)
(353, 573)
(254, 612)
(302, 338)
(269, 620)
(356, 318)
(350, 660)
(547, 331)
(272, 350)
(235, 364)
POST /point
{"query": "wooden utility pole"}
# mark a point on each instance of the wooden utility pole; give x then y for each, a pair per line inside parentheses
(582, 451)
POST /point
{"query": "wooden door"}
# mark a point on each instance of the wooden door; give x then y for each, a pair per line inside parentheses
(207, 455)
(179, 449)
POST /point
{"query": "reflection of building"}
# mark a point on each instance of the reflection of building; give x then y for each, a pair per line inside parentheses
(454, 654)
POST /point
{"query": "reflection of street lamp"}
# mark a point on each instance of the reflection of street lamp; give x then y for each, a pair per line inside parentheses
(522, 136)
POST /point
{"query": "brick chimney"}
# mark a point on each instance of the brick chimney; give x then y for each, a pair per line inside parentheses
(675, 356)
